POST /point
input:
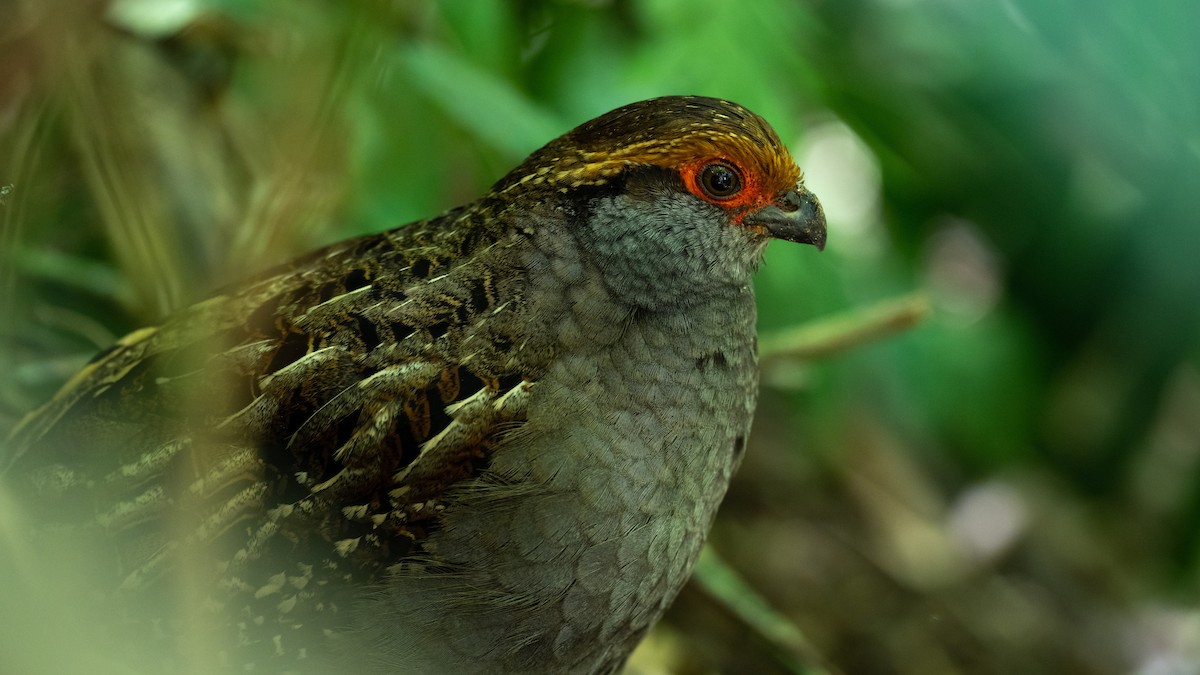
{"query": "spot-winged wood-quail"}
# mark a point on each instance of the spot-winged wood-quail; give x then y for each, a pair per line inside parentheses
(492, 441)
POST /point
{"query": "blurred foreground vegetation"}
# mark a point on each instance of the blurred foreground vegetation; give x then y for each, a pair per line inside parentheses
(1013, 486)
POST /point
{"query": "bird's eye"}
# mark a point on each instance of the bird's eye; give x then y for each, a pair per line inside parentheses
(720, 181)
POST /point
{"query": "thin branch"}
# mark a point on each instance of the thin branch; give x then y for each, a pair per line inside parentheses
(842, 332)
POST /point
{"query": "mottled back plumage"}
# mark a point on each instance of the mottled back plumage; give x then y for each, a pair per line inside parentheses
(490, 441)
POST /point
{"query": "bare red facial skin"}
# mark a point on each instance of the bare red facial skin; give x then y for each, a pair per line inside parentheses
(753, 194)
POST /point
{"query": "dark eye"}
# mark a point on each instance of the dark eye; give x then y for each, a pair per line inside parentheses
(720, 181)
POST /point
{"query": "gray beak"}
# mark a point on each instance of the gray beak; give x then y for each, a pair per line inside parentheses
(796, 216)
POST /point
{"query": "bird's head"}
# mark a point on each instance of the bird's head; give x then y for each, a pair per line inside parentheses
(721, 153)
(696, 185)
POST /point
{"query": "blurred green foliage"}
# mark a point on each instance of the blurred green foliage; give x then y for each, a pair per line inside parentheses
(1013, 486)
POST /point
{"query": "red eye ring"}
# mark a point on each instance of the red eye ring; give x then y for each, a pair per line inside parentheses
(723, 182)
(720, 181)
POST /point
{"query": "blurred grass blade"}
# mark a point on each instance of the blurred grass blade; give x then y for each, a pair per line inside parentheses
(490, 108)
(723, 584)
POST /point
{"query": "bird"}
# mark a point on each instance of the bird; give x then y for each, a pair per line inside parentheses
(492, 441)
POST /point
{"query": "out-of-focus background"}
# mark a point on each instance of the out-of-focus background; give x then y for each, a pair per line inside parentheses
(1012, 486)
